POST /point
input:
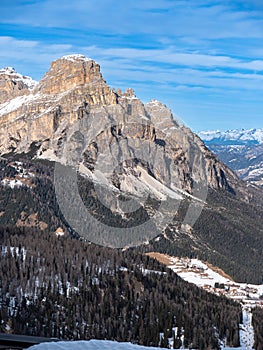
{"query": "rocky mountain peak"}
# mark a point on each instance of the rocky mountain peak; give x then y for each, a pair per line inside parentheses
(161, 115)
(136, 163)
(13, 84)
(69, 72)
(72, 96)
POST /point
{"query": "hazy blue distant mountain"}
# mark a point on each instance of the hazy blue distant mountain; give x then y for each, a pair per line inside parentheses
(241, 150)
(232, 137)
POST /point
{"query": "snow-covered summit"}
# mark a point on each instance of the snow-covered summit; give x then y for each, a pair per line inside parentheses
(76, 57)
(155, 102)
(7, 70)
(15, 76)
(241, 136)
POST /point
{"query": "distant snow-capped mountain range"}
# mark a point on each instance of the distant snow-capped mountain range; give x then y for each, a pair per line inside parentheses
(241, 150)
(238, 137)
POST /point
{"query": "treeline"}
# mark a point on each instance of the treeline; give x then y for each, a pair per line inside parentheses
(65, 288)
(257, 322)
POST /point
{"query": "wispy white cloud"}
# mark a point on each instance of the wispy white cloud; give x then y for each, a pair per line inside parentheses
(188, 70)
(7, 40)
(172, 56)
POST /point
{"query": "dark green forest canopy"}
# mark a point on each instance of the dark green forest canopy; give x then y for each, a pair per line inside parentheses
(62, 287)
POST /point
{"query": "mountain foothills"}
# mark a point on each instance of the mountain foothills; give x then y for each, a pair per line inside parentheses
(241, 150)
(185, 201)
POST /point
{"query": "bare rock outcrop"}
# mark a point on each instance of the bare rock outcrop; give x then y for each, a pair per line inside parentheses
(72, 116)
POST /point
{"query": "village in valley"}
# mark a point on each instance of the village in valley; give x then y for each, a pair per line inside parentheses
(212, 279)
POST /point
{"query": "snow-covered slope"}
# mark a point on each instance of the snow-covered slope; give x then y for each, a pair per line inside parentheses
(205, 276)
(202, 275)
(106, 345)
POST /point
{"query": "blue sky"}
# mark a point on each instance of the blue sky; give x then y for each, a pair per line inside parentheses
(202, 58)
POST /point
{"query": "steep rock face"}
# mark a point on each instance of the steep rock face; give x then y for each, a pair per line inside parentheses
(72, 108)
(79, 79)
(33, 115)
(68, 72)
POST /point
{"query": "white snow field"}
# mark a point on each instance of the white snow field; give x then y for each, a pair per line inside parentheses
(104, 345)
(90, 345)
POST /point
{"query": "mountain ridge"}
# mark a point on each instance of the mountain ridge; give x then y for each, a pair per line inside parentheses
(241, 150)
(123, 147)
(241, 136)
(74, 72)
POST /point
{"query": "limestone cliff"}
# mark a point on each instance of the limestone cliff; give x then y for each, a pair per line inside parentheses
(72, 116)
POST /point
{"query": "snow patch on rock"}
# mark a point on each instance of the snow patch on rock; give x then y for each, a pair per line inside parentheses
(15, 103)
(76, 57)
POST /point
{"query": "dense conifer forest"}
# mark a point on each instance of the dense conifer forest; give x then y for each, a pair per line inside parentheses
(65, 288)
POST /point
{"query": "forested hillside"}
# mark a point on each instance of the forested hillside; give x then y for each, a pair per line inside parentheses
(61, 287)
(27, 199)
